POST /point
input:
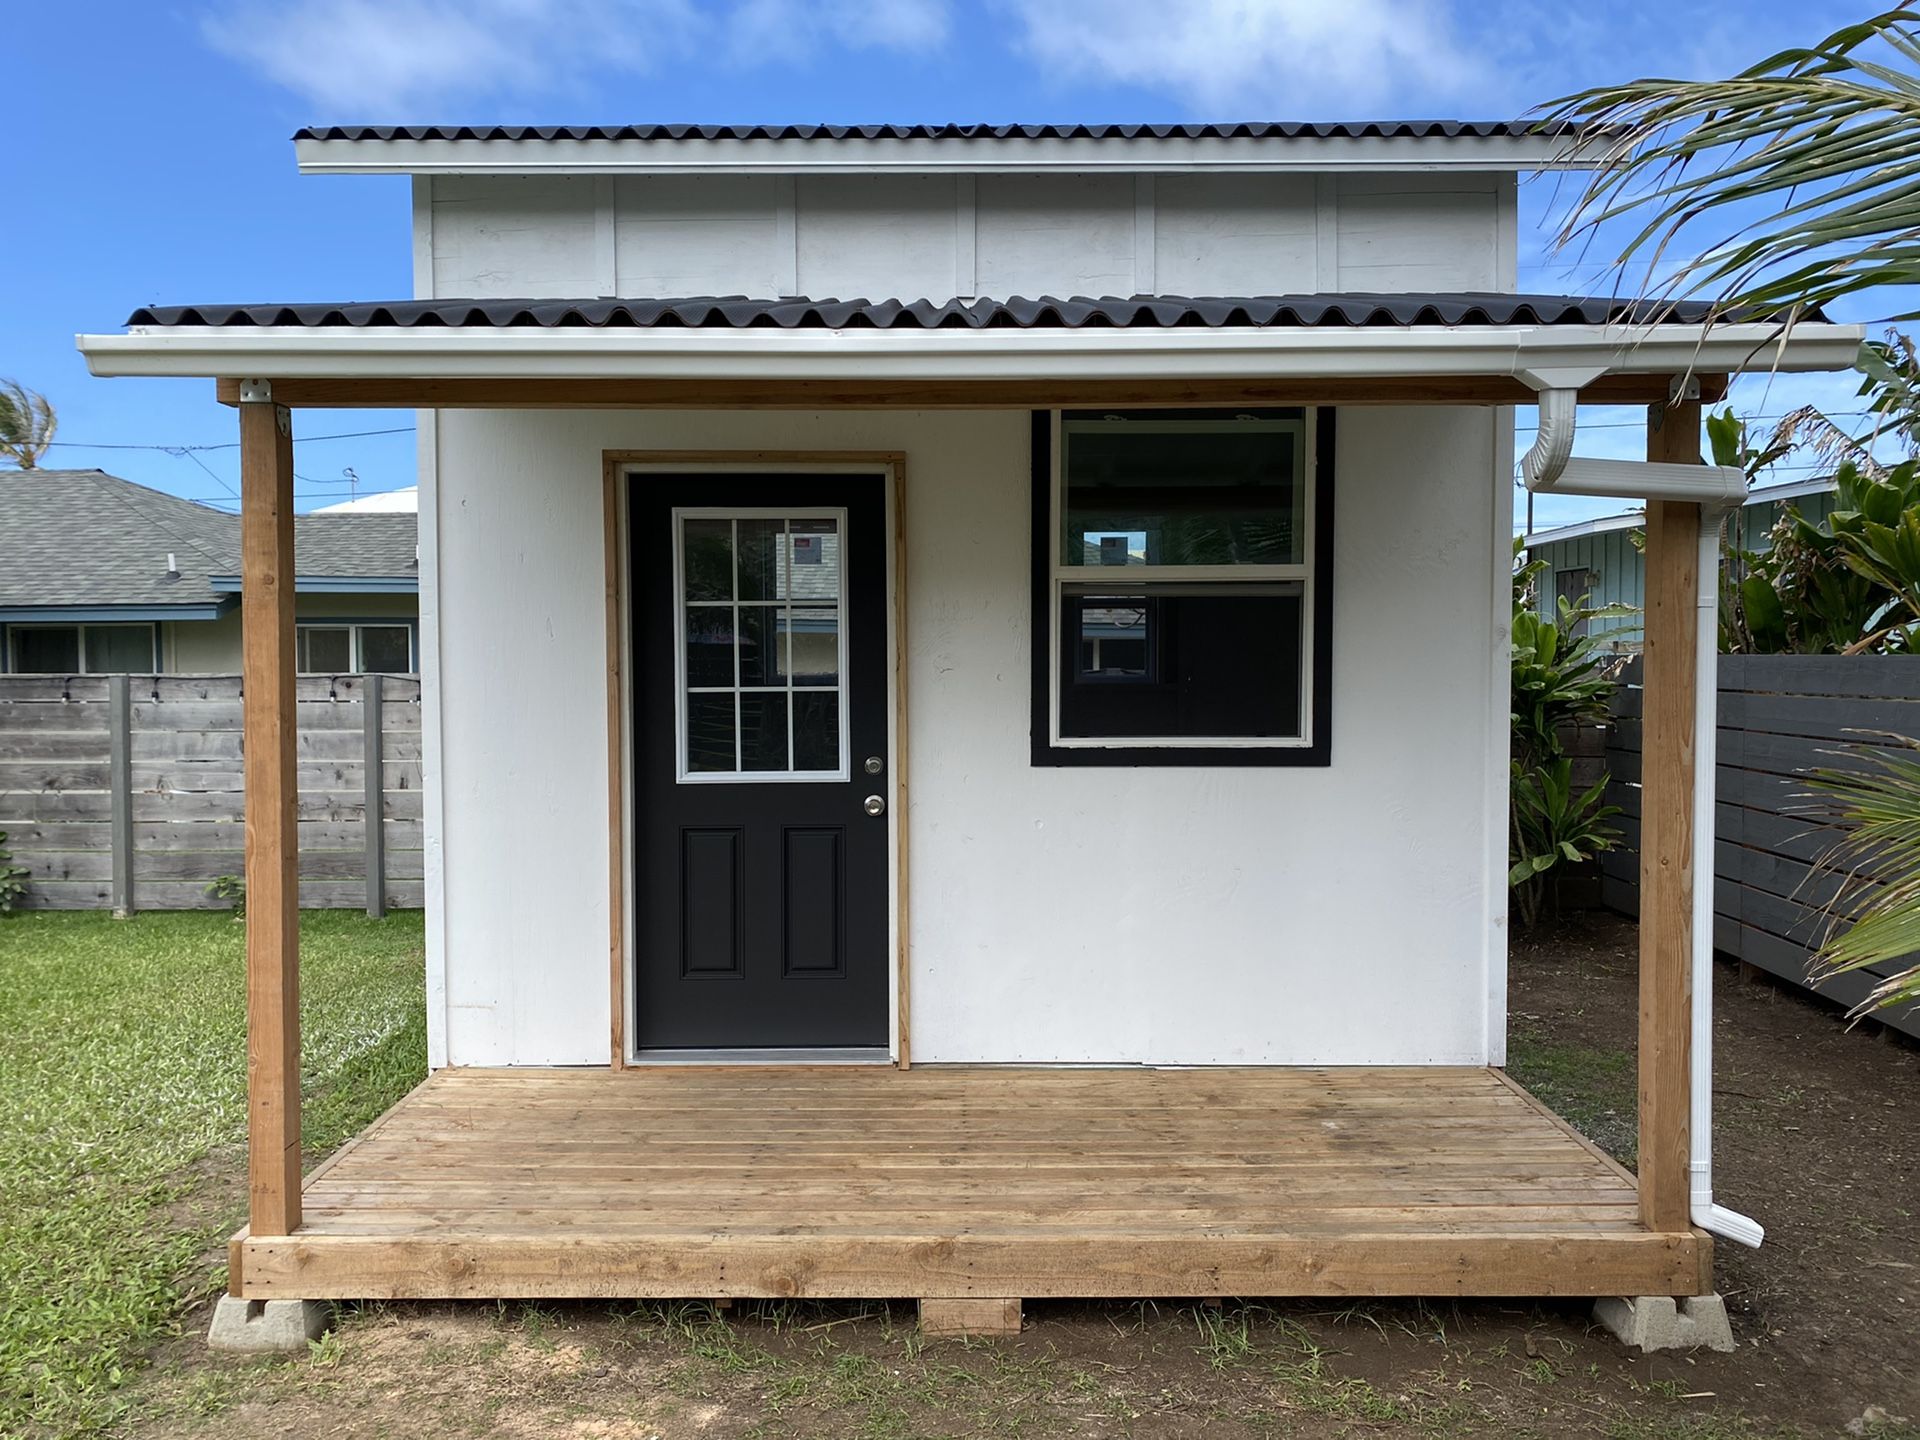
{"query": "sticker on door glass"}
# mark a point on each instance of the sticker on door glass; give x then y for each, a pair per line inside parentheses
(762, 646)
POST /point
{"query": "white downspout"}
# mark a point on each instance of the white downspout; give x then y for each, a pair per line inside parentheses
(1549, 468)
(1715, 1219)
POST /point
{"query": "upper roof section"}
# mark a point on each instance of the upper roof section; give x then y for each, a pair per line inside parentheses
(1046, 312)
(1253, 147)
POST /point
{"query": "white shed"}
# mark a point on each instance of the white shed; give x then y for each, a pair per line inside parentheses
(856, 689)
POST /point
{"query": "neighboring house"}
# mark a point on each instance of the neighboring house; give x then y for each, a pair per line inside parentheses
(1179, 879)
(98, 574)
(1600, 558)
(406, 497)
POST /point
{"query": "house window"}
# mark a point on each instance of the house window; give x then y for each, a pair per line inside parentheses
(81, 649)
(1181, 562)
(343, 648)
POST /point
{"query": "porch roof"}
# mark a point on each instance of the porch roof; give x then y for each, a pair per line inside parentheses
(1458, 348)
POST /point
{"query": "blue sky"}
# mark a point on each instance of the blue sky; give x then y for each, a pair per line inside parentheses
(149, 152)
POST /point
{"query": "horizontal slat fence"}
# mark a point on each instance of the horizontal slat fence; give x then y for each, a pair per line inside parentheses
(1780, 716)
(127, 792)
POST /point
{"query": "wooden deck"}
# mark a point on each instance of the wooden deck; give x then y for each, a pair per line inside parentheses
(941, 1183)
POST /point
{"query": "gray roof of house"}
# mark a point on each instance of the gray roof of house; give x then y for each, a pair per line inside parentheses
(87, 538)
(1219, 130)
(1351, 311)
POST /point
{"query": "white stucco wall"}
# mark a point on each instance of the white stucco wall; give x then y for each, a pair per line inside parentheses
(1180, 915)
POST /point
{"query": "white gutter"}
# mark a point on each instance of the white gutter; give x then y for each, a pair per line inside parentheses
(1276, 353)
(1550, 469)
(918, 155)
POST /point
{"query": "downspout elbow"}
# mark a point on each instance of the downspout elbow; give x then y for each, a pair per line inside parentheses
(1544, 463)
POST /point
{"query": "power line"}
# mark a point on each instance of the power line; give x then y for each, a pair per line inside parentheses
(234, 444)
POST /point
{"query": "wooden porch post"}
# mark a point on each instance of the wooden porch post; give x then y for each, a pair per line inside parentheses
(1666, 827)
(273, 892)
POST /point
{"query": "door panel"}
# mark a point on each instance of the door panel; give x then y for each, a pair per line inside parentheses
(759, 687)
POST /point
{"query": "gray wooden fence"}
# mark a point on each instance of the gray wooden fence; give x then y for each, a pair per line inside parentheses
(1780, 717)
(126, 792)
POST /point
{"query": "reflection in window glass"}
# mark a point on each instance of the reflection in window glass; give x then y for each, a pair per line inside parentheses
(119, 649)
(1201, 661)
(710, 732)
(386, 650)
(761, 618)
(1147, 492)
(324, 649)
(46, 649)
(1114, 638)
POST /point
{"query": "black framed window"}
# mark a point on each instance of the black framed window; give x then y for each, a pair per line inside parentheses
(1181, 605)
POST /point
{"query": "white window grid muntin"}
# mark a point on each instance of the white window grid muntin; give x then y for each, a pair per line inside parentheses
(1131, 579)
(734, 514)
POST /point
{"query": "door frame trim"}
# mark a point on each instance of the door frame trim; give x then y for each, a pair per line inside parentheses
(617, 466)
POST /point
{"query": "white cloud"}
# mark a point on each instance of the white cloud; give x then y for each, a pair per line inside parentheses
(763, 31)
(1273, 58)
(368, 59)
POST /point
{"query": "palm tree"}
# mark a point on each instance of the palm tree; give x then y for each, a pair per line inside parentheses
(27, 423)
(1821, 144)
(1808, 164)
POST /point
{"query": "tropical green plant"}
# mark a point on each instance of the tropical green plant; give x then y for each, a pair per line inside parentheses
(1560, 674)
(1874, 914)
(1553, 825)
(233, 890)
(1559, 682)
(27, 424)
(1842, 585)
(13, 879)
(1806, 165)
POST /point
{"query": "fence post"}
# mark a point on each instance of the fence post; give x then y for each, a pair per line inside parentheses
(120, 787)
(374, 749)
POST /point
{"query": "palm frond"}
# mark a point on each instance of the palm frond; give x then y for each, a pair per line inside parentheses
(1873, 912)
(1828, 137)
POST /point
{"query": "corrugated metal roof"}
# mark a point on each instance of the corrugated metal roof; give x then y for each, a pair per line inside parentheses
(1358, 311)
(1235, 130)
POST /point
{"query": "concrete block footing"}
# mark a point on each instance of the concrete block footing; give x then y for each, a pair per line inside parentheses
(266, 1327)
(1659, 1322)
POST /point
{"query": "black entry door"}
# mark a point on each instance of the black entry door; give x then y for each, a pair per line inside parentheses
(759, 687)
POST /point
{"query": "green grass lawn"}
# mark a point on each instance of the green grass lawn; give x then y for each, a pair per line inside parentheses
(123, 1122)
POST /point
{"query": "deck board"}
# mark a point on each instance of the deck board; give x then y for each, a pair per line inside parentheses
(952, 1182)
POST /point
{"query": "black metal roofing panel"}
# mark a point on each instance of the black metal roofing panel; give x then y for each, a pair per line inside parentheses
(1143, 312)
(1238, 130)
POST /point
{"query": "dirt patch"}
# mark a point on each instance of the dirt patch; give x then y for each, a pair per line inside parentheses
(1816, 1141)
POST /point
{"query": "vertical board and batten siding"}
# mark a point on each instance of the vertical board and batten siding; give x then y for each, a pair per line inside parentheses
(1780, 717)
(940, 237)
(184, 802)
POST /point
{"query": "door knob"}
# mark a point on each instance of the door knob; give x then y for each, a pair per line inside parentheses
(873, 805)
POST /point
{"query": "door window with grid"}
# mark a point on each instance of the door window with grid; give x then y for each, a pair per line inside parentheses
(761, 629)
